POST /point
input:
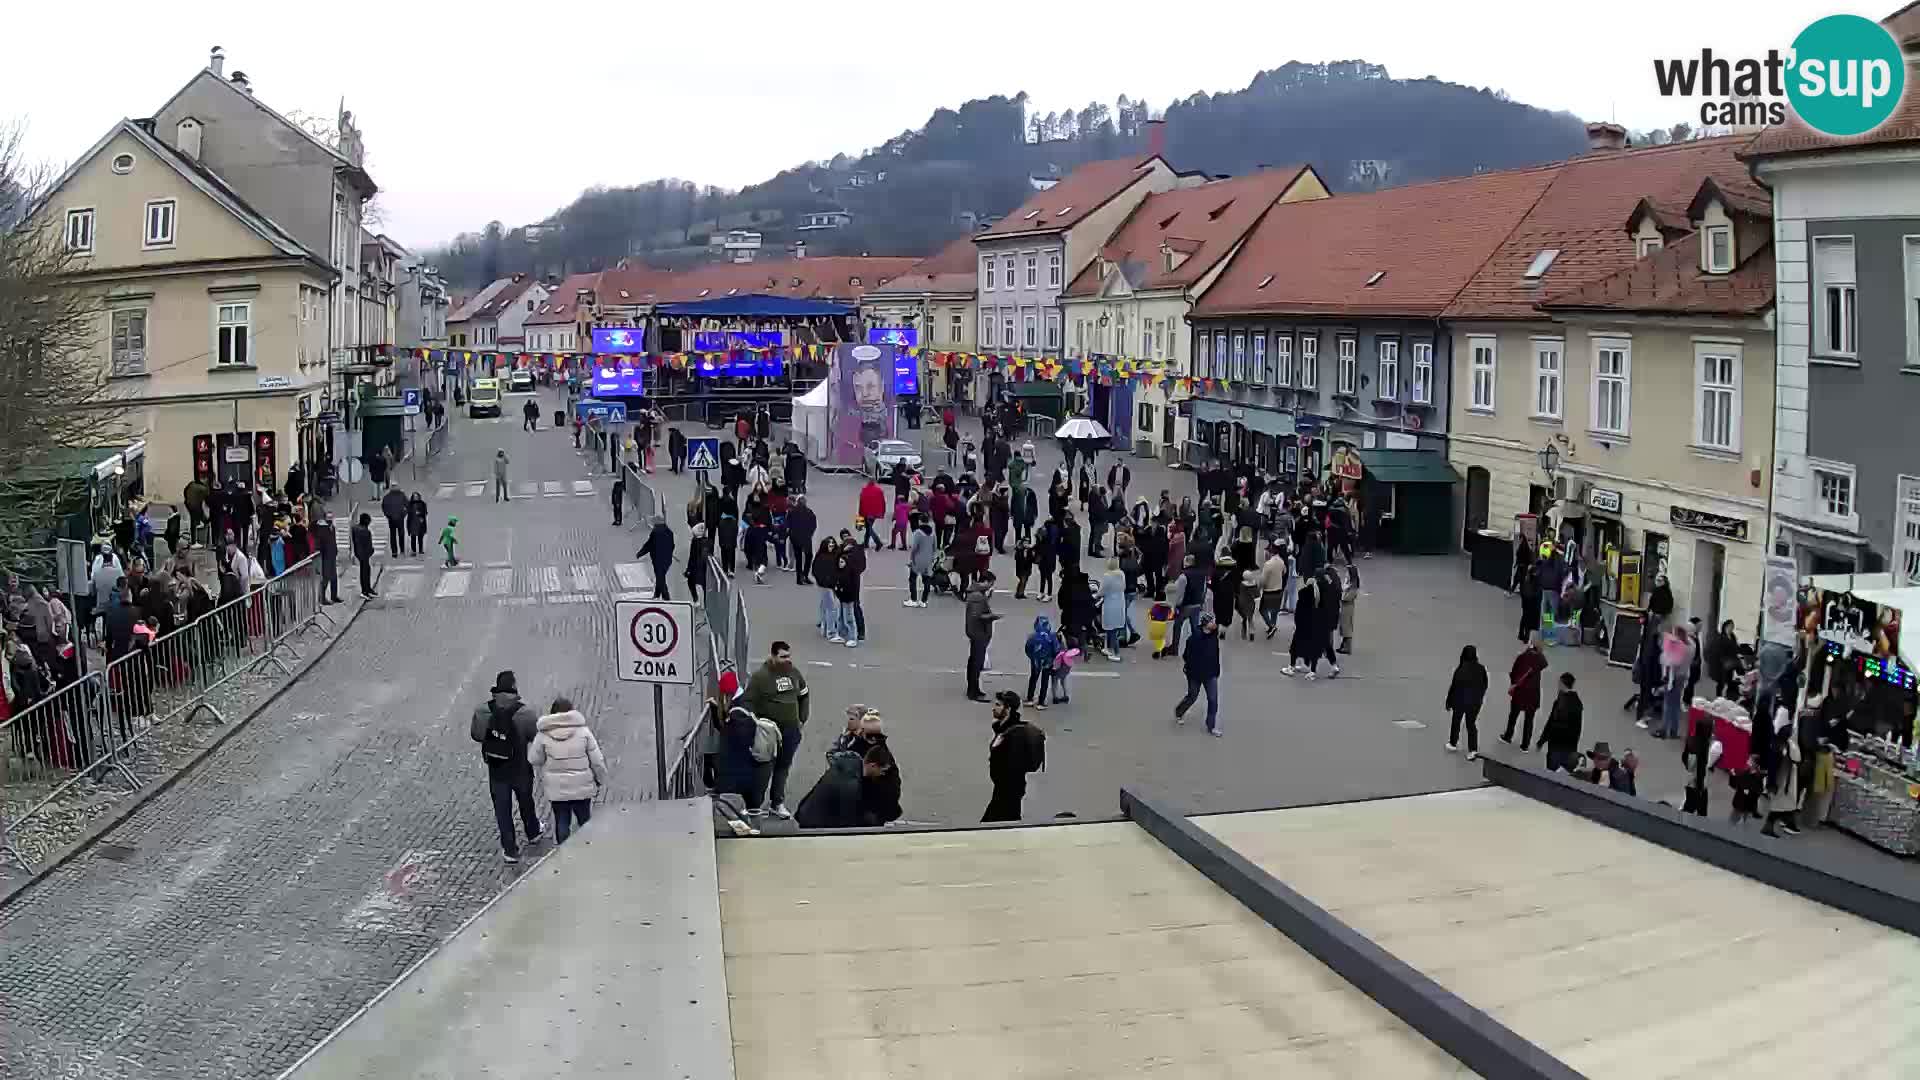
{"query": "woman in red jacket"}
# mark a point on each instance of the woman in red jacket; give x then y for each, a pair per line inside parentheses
(1524, 691)
(873, 507)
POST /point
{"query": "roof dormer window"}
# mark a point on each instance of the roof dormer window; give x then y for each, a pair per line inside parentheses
(1063, 211)
(1375, 279)
(1716, 247)
(1264, 282)
(1030, 215)
(1537, 269)
(1646, 245)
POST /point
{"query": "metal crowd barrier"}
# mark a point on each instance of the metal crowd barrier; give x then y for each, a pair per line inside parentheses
(641, 498)
(89, 728)
(437, 440)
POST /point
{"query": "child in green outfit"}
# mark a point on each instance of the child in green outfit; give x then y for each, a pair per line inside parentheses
(448, 540)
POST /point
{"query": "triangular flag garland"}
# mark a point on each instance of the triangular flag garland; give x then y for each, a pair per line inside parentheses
(1108, 369)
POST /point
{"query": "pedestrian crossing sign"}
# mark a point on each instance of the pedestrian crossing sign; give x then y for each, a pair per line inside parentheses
(703, 453)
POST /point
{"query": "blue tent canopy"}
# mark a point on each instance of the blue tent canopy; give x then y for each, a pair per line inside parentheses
(757, 305)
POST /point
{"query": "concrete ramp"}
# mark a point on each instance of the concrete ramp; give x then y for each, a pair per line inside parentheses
(602, 961)
(1083, 950)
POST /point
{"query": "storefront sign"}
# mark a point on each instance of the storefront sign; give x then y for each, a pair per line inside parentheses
(1346, 464)
(1604, 499)
(236, 453)
(274, 382)
(1713, 524)
(1236, 414)
(1306, 425)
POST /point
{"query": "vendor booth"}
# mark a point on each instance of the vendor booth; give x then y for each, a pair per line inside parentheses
(1406, 496)
(1861, 670)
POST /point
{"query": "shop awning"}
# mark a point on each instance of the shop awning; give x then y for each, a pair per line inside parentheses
(1033, 388)
(78, 463)
(1408, 467)
(757, 306)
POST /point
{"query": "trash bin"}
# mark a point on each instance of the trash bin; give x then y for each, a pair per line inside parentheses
(559, 418)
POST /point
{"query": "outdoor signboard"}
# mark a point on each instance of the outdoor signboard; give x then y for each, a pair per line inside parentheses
(619, 339)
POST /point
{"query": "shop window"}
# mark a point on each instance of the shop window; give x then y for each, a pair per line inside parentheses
(1717, 397)
(1833, 500)
(1834, 296)
(1145, 422)
(1906, 531)
(1483, 366)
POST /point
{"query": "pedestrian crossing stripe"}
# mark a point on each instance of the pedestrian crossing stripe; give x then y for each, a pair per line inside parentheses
(497, 582)
(476, 487)
(587, 579)
(452, 583)
(583, 487)
(526, 487)
(547, 579)
(401, 584)
(444, 491)
(553, 489)
(633, 576)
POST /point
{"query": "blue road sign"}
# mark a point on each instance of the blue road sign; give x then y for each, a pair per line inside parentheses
(703, 453)
(410, 396)
(616, 412)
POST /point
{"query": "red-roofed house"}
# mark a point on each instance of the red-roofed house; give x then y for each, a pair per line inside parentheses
(557, 325)
(1621, 326)
(1322, 346)
(1132, 300)
(1027, 258)
(1846, 461)
(935, 297)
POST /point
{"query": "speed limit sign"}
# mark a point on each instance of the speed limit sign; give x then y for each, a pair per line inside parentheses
(656, 641)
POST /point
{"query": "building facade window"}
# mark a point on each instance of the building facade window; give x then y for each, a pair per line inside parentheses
(1033, 271)
(986, 329)
(1079, 337)
(1143, 422)
(1423, 372)
(1282, 360)
(233, 327)
(1546, 378)
(1906, 530)
(1482, 368)
(1146, 340)
(1053, 269)
(160, 214)
(1719, 241)
(1310, 362)
(1006, 323)
(80, 231)
(1646, 246)
(1031, 339)
(1007, 272)
(1717, 414)
(1053, 330)
(1259, 373)
(130, 341)
(1387, 377)
(1346, 379)
(1612, 385)
(1239, 357)
(1911, 253)
(986, 274)
(1833, 498)
(1834, 296)
(953, 328)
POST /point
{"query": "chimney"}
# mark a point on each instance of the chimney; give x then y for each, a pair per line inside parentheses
(186, 137)
(239, 80)
(799, 249)
(1156, 137)
(217, 62)
(1606, 136)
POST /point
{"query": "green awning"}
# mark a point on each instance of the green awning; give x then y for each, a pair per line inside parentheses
(1032, 388)
(75, 463)
(1408, 467)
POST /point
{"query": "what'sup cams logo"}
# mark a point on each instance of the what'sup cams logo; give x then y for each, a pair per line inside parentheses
(1843, 76)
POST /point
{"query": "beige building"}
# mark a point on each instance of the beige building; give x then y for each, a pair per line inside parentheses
(1131, 301)
(1650, 390)
(937, 299)
(213, 320)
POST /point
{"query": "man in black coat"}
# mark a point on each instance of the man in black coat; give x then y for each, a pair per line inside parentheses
(363, 553)
(676, 451)
(659, 550)
(327, 542)
(801, 525)
(393, 506)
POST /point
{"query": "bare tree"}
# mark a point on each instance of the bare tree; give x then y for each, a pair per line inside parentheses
(54, 393)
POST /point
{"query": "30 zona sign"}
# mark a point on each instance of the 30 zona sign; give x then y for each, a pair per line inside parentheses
(656, 641)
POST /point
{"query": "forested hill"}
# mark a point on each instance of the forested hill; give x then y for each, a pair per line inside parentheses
(1354, 123)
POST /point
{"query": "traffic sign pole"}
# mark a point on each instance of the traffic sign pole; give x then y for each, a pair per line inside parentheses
(660, 740)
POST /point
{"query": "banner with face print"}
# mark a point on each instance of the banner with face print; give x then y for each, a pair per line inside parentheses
(863, 396)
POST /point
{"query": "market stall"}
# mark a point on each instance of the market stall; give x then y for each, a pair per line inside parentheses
(1876, 795)
(1861, 671)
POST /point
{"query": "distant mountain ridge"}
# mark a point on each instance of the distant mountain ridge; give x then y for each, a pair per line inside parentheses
(1359, 127)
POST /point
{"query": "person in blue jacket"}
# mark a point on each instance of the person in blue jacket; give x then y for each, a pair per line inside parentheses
(1201, 660)
(1043, 651)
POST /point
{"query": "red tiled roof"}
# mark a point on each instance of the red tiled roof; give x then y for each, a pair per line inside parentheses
(1581, 215)
(1078, 194)
(562, 302)
(836, 277)
(633, 284)
(505, 298)
(954, 268)
(1204, 223)
(1904, 25)
(1670, 282)
(1425, 240)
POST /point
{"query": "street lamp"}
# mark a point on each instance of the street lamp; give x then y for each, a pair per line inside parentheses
(1549, 456)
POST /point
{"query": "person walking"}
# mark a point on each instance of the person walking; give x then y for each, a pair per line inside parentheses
(1328, 606)
(500, 463)
(417, 521)
(920, 552)
(980, 618)
(362, 540)
(571, 766)
(1305, 649)
(1464, 697)
(505, 728)
(530, 416)
(1273, 589)
(676, 451)
(1017, 748)
(801, 525)
(727, 534)
(1046, 557)
(1200, 661)
(450, 540)
(873, 507)
(1043, 653)
(1113, 608)
(658, 550)
(778, 692)
(826, 572)
(619, 496)
(1523, 691)
(393, 506)
(327, 542)
(1560, 736)
(1722, 656)
(1188, 595)
(1530, 593)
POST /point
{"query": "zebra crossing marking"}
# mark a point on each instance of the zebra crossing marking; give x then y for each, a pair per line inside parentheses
(526, 488)
(401, 584)
(452, 583)
(476, 487)
(633, 576)
(547, 579)
(569, 598)
(497, 582)
(445, 491)
(552, 489)
(587, 579)
(583, 487)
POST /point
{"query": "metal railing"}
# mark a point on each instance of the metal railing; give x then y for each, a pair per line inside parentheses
(641, 498)
(90, 727)
(437, 440)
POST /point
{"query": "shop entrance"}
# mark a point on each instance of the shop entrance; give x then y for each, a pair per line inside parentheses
(1709, 570)
(1479, 493)
(1538, 499)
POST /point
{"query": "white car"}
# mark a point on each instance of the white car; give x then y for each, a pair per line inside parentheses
(520, 381)
(882, 455)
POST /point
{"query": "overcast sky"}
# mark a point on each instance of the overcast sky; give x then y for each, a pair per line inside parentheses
(472, 113)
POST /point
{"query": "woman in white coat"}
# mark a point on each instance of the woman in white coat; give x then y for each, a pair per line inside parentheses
(570, 764)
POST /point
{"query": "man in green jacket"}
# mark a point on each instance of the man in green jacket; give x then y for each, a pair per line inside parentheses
(778, 692)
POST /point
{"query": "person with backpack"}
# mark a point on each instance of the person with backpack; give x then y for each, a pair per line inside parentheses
(1464, 697)
(1018, 748)
(572, 769)
(778, 692)
(1043, 652)
(1201, 662)
(504, 728)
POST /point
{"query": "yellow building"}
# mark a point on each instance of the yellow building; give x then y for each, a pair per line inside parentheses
(213, 319)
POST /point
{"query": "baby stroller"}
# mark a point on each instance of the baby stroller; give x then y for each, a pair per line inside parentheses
(940, 578)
